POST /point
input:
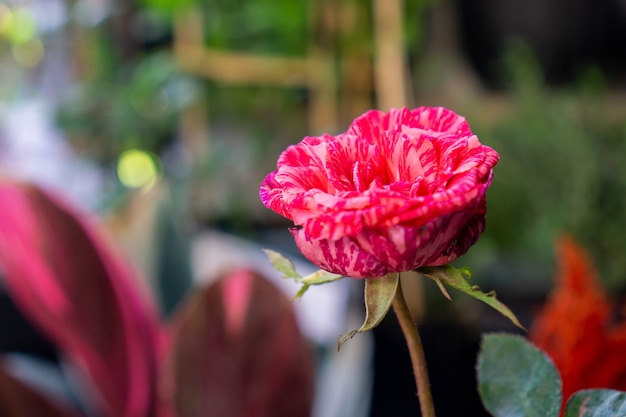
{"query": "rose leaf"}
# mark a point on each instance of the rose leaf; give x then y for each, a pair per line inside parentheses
(454, 277)
(316, 278)
(596, 403)
(379, 293)
(282, 264)
(320, 277)
(517, 379)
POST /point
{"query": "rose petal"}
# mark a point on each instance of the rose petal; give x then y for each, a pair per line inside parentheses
(342, 256)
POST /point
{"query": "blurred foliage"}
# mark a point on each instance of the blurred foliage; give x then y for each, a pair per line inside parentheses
(106, 116)
(262, 26)
(249, 127)
(561, 170)
(267, 26)
(124, 104)
(283, 26)
(168, 8)
(17, 25)
(21, 47)
(561, 150)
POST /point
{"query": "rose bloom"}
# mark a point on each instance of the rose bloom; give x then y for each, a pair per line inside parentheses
(397, 191)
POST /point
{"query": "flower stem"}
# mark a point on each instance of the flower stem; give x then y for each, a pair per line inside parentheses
(416, 351)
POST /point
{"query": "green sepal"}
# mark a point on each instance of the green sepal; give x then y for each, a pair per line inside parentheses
(455, 278)
(596, 403)
(287, 268)
(379, 293)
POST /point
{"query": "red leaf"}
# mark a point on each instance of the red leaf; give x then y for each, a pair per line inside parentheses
(19, 400)
(64, 277)
(237, 352)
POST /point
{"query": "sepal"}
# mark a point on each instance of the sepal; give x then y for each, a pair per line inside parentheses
(456, 278)
(379, 293)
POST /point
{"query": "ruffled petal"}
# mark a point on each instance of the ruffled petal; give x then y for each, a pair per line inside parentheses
(271, 195)
(408, 180)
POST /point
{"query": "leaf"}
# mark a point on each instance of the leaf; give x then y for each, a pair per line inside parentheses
(237, 351)
(379, 293)
(78, 292)
(596, 403)
(316, 278)
(282, 264)
(19, 400)
(320, 277)
(449, 275)
(516, 379)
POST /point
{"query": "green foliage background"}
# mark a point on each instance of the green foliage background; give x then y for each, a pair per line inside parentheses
(562, 149)
(562, 170)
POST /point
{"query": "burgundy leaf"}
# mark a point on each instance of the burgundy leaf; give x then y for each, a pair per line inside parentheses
(66, 279)
(19, 400)
(237, 352)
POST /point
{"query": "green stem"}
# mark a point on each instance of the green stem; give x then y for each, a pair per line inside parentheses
(416, 351)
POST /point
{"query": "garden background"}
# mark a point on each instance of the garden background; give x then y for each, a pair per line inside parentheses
(164, 116)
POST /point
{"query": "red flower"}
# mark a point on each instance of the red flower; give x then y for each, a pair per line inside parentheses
(397, 191)
(576, 327)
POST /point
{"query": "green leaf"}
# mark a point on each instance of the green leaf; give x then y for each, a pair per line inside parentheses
(516, 379)
(449, 275)
(282, 264)
(596, 403)
(379, 293)
(320, 277)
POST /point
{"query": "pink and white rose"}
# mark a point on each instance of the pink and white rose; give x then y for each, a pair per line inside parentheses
(397, 191)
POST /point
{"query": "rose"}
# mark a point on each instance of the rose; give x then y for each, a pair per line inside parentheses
(397, 191)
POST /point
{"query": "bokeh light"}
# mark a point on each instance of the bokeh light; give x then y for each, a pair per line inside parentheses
(17, 25)
(28, 54)
(137, 168)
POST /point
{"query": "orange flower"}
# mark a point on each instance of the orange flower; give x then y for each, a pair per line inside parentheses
(577, 327)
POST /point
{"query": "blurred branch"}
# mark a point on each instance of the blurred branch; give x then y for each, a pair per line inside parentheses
(390, 65)
(315, 71)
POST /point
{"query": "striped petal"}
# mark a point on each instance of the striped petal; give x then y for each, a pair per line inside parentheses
(405, 172)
